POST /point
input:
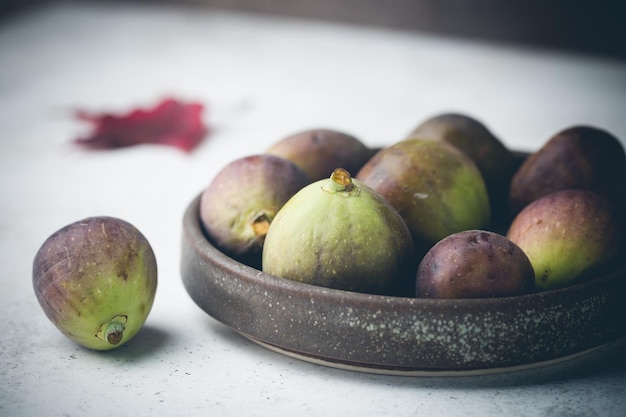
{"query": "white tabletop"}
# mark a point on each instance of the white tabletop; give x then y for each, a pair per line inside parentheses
(260, 78)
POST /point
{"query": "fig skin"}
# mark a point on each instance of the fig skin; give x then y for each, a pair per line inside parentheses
(319, 151)
(96, 280)
(474, 264)
(494, 160)
(339, 233)
(241, 201)
(436, 188)
(579, 157)
(569, 236)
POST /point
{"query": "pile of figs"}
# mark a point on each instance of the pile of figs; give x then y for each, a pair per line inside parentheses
(446, 212)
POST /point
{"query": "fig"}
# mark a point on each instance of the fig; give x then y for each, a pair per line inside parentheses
(319, 151)
(238, 205)
(339, 233)
(580, 157)
(568, 236)
(494, 160)
(436, 188)
(474, 264)
(96, 280)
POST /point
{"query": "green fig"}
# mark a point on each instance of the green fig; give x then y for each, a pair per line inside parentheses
(474, 264)
(338, 233)
(568, 236)
(96, 280)
(580, 157)
(436, 188)
(495, 161)
(238, 205)
(319, 151)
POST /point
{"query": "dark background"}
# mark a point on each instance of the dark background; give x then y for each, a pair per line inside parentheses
(590, 27)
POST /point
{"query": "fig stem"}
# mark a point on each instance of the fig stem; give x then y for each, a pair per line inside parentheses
(341, 182)
(261, 224)
(114, 332)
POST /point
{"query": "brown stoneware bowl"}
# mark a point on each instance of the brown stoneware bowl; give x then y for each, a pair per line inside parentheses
(396, 335)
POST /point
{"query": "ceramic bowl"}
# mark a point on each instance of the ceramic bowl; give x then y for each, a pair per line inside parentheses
(398, 335)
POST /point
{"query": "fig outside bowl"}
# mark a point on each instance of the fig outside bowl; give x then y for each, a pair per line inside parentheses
(397, 335)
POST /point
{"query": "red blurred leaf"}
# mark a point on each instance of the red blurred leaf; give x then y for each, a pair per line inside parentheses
(169, 123)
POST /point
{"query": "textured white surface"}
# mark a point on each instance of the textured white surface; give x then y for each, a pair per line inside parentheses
(260, 78)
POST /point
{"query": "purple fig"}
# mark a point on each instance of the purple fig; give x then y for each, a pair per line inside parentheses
(474, 264)
(96, 280)
(437, 189)
(319, 151)
(580, 157)
(239, 204)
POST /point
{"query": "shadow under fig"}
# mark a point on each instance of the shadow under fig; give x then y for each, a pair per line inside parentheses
(144, 345)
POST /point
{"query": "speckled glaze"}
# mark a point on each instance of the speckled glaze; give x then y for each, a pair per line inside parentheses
(393, 334)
